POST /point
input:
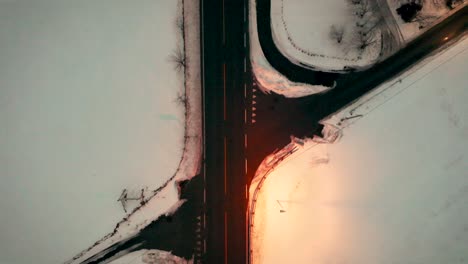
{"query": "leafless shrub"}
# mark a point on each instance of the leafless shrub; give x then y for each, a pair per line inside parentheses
(368, 20)
(424, 20)
(354, 2)
(178, 59)
(336, 33)
(179, 24)
(365, 39)
(364, 8)
(181, 99)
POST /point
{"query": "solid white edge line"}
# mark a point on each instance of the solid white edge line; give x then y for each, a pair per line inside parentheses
(225, 166)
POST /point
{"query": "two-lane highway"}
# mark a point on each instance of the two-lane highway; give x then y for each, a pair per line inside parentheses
(235, 144)
(226, 85)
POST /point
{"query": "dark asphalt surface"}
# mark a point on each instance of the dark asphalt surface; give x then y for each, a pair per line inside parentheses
(234, 142)
(225, 80)
(177, 233)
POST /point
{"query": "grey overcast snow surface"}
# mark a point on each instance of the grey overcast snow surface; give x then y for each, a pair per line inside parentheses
(86, 109)
(392, 189)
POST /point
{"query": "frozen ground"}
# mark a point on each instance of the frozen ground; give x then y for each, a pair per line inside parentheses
(149, 257)
(87, 106)
(269, 79)
(392, 189)
(432, 12)
(301, 31)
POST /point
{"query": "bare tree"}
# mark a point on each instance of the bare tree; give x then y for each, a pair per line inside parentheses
(354, 2)
(336, 33)
(368, 20)
(424, 20)
(365, 39)
(178, 59)
(370, 24)
(180, 25)
(181, 98)
(364, 8)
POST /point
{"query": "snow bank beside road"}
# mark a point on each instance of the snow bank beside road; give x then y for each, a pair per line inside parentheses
(87, 109)
(392, 189)
(166, 196)
(268, 78)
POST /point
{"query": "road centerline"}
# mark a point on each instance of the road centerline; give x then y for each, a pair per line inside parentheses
(224, 89)
(225, 166)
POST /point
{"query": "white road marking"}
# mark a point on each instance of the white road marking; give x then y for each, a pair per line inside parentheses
(245, 11)
(246, 166)
(224, 27)
(225, 164)
(245, 140)
(245, 90)
(224, 88)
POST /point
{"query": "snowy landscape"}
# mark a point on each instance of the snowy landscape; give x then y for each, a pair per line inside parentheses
(392, 188)
(338, 35)
(93, 110)
(430, 13)
(103, 146)
(269, 79)
(326, 35)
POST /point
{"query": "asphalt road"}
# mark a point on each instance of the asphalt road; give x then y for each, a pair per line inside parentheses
(242, 126)
(226, 79)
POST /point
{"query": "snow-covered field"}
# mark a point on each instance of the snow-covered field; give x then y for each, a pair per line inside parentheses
(431, 13)
(392, 189)
(87, 103)
(268, 78)
(301, 31)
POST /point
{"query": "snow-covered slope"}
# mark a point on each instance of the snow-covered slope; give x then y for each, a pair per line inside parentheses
(392, 189)
(87, 103)
(301, 31)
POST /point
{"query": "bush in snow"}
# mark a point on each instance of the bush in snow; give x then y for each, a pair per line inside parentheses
(178, 59)
(365, 39)
(408, 11)
(181, 99)
(453, 3)
(424, 20)
(336, 33)
(368, 21)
